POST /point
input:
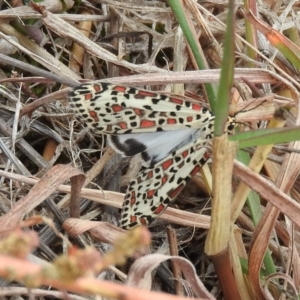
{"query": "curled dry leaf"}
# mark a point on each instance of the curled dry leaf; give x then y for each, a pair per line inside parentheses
(140, 273)
(106, 233)
(102, 231)
(285, 278)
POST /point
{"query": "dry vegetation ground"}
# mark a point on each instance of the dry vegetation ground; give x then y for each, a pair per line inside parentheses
(46, 50)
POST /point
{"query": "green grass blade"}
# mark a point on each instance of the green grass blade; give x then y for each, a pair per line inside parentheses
(266, 136)
(227, 72)
(178, 11)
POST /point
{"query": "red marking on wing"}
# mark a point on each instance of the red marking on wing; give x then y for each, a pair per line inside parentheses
(174, 192)
(143, 221)
(190, 119)
(160, 209)
(150, 174)
(144, 94)
(94, 115)
(185, 153)
(176, 100)
(137, 111)
(97, 88)
(123, 125)
(133, 219)
(165, 165)
(88, 96)
(164, 180)
(206, 155)
(181, 165)
(132, 198)
(195, 170)
(150, 193)
(117, 108)
(196, 106)
(120, 89)
(147, 123)
(171, 121)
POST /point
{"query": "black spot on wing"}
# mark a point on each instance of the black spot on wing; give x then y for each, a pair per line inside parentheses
(145, 156)
(129, 147)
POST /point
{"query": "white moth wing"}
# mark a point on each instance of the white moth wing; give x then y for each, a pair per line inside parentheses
(113, 109)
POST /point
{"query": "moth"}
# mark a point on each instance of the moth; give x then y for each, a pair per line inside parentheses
(169, 132)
